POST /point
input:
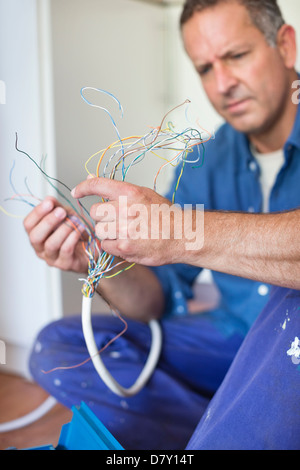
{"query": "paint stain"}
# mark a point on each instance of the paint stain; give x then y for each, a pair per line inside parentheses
(287, 319)
(294, 351)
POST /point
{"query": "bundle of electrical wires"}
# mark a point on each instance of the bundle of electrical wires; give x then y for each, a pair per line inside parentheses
(175, 148)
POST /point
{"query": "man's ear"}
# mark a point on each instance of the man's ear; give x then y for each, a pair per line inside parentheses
(286, 44)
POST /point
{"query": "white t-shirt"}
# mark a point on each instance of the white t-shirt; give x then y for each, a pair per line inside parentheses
(270, 164)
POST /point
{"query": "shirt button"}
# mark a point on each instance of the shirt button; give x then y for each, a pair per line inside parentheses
(180, 309)
(252, 166)
(263, 290)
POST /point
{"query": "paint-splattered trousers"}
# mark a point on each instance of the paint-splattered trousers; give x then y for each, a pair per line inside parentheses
(257, 407)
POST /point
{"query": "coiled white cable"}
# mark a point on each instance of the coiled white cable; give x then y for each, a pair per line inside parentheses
(99, 365)
(30, 418)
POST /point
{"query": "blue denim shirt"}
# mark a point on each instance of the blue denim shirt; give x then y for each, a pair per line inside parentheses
(229, 180)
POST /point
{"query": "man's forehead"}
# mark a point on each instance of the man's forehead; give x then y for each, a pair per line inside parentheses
(214, 32)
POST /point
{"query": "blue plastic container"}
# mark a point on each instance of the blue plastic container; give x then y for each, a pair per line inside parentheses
(84, 432)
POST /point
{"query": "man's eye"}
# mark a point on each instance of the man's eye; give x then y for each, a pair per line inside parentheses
(239, 56)
(203, 70)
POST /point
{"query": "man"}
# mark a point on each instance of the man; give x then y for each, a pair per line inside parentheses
(247, 71)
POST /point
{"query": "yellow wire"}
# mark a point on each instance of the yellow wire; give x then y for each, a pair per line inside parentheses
(119, 272)
(9, 214)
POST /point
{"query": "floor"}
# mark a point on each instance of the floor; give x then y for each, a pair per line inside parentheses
(18, 397)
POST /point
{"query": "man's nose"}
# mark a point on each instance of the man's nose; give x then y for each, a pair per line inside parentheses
(225, 78)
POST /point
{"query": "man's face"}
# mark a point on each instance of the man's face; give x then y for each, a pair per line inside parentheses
(244, 77)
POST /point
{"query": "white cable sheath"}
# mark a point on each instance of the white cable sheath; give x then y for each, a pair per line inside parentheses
(99, 365)
(30, 417)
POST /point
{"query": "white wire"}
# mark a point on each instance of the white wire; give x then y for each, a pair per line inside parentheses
(99, 365)
(30, 417)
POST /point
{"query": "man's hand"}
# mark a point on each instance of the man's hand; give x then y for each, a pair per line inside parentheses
(54, 236)
(134, 223)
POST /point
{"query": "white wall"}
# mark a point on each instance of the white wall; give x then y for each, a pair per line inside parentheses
(291, 13)
(27, 299)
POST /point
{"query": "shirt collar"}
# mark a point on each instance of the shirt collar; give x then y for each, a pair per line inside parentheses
(245, 154)
(292, 141)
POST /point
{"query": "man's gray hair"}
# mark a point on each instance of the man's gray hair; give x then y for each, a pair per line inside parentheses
(264, 14)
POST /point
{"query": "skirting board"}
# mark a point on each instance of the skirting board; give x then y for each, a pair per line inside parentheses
(16, 360)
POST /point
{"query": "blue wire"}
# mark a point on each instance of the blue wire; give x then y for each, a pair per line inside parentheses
(106, 111)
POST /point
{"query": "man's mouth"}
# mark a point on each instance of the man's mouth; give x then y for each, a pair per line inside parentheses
(237, 106)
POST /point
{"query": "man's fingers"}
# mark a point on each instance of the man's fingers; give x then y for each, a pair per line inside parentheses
(63, 240)
(45, 227)
(38, 213)
(102, 187)
(111, 247)
(106, 231)
(104, 212)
